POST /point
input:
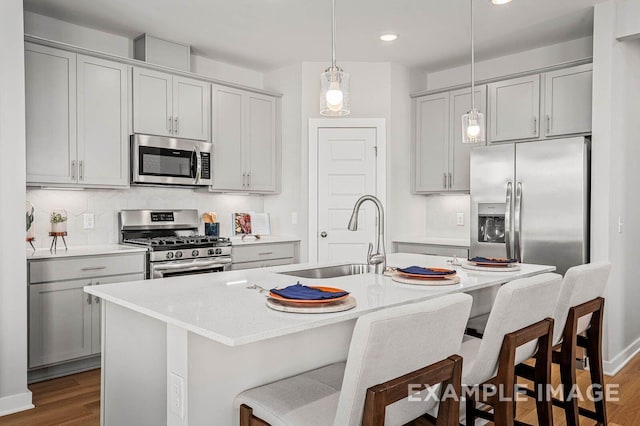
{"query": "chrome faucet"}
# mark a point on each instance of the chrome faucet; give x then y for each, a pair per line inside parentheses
(379, 257)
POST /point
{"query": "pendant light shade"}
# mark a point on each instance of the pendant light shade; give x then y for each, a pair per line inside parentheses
(473, 129)
(334, 81)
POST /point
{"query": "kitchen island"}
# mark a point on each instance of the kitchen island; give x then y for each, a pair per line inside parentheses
(176, 351)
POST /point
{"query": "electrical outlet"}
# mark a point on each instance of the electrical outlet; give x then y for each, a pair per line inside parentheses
(89, 220)
(294, 218)
(176, 394)
(460, 219)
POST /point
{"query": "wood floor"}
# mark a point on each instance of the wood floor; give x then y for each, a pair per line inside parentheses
(75, 401)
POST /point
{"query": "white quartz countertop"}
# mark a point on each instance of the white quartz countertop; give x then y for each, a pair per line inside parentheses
(44, 253)
(458, 242)
(265, 239)
(219, 306)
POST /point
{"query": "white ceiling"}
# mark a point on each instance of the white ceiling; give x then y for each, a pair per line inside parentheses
(267, 34)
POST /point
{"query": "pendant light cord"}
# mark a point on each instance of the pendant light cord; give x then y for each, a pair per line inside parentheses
(333, 34)
(473, 73)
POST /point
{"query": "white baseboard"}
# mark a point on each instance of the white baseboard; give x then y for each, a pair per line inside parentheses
(14, 403)
(618, 362)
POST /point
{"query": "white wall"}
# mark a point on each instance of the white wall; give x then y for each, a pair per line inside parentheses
(106, 204)
(14, 395)
(506, 65)
(66, 32)
(615, 177)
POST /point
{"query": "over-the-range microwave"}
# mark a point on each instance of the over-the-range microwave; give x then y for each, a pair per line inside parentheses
(158, 160)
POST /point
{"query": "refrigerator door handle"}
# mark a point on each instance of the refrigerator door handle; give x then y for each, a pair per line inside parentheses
(517, 222)
(507, 219)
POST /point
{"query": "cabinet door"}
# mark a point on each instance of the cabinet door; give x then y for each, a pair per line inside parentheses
(102, 122)
(50, 80)
(152, 102)
(431, 142)
(228, 135)
(514, 109)
(568, 101)
(261, 143)
(96, 308)
(59, 322)
(191, 99)
(460, 152)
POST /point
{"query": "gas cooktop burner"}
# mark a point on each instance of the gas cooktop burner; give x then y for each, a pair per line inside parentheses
(175, 242)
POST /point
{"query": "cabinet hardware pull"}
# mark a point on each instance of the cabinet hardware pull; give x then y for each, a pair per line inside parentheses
(249, 176)
(444, 181)
(176, 130)
(169, 127)
(243, 176)
(96, 299)
(265, 253)
(450, 180)
(548, 123)
(88, 299)
(535, 125)
(93, 268)
(81, 170)
(73, 170)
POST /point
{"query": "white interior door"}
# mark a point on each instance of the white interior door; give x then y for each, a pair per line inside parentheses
(346, 171)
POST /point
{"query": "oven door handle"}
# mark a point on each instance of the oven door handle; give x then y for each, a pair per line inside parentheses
(193, 266)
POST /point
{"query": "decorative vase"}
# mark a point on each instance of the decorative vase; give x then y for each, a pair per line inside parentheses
(58, 221)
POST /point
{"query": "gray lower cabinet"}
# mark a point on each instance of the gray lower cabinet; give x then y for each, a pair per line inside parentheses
(263, 255)
(64, 321)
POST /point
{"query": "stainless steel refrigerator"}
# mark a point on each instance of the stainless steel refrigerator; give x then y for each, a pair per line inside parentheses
(530, 201)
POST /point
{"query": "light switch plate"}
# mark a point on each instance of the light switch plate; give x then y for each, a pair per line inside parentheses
(176, 394)
(89, 220)
(460, 219)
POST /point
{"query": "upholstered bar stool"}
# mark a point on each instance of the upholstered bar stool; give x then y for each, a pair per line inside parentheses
(578, 322)
(391, 351)
(520, 321)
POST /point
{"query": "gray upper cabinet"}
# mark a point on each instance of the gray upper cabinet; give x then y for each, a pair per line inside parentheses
(460, 153)
(245, 140)
(227, 138)
(168, 105)
(152, 102)
(432, 143)
(261, 143)
(102, 122)
(441, 159)
(77, 119)
(50, 80)
(514, 109)
(567, 101)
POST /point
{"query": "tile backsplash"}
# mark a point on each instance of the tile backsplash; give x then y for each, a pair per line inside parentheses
(106, 203)
(441, 216)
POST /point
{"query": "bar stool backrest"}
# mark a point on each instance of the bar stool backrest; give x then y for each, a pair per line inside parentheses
(393, 342)
(580, 284)
(518, 304)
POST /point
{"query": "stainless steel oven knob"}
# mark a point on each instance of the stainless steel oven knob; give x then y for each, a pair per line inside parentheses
(211, 251)
(195, 253)
(218, 251)
(169, 255)
(178, 254)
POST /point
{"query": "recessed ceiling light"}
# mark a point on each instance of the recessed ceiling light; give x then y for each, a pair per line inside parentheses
(388, 37)
(500, 1)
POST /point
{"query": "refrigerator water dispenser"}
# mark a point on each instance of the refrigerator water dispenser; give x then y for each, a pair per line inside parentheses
(491, 222)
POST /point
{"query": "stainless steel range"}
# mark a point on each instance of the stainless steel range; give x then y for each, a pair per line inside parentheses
(175, 248)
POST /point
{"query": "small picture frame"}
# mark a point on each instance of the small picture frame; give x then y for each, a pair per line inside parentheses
(242, 224)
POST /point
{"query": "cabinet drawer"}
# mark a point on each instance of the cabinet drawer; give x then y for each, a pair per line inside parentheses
(81, 267)
(262, 264)
(433, 250)
(258, 252)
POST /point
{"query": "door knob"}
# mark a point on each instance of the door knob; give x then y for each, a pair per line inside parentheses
(323, 234)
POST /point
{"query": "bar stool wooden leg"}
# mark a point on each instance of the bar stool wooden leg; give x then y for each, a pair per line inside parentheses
(594, 353)
(567, 363)
(470, 418)
(542, 380)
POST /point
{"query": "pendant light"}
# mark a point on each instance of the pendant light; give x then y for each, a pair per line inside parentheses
(334, 82)
(473, 130)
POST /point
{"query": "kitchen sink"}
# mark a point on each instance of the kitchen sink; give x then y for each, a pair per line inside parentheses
(332, 271)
